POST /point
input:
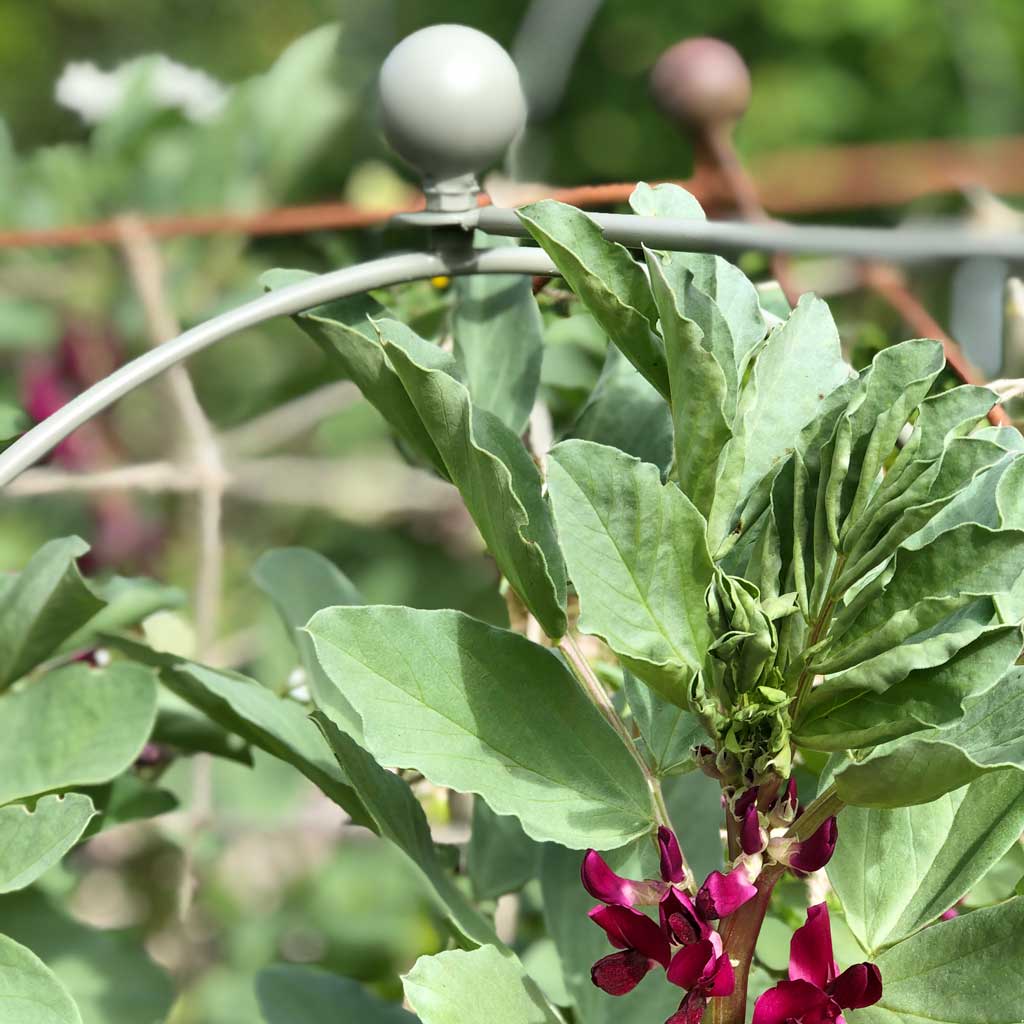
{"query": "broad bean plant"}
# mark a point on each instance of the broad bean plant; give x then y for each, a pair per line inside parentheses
(753, 737)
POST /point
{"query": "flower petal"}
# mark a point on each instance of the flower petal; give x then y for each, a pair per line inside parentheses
(788, 1001)
(815, 852)
(671, 856)
(680, 919)
(810, 949)
(694, 965)
(786, 808)
(746, 800)
(753, 838)
(858, 986)
(720, 894)
(631, 929)
(724, 979)
(602, 883)
(619, 973)
(691, 1009)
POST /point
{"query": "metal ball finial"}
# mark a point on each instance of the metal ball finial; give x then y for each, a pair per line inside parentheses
(701, 82)
(451, 103)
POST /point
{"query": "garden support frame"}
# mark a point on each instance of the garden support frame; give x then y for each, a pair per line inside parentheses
(461, 136)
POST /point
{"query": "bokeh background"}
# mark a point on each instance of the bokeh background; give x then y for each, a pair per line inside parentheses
(250, 866)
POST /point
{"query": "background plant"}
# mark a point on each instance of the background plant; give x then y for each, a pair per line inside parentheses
(390, 566)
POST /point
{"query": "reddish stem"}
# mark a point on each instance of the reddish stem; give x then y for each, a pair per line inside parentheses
(739, 938)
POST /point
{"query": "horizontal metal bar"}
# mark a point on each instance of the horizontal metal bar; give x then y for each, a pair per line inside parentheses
(894, 245)
(338, 284)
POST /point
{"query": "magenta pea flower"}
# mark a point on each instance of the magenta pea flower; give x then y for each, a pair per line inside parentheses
(816, 992)
(753, 835)
(642, 942)
(719, 896)
(683, 919)
(809, 854)
(704, 970)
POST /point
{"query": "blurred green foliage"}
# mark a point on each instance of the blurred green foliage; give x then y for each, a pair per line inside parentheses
(823, 72)
(304, 132)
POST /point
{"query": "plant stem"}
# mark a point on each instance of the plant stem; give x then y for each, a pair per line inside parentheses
(741, 930)
(739, 939)
(595, 690)
(825, 805)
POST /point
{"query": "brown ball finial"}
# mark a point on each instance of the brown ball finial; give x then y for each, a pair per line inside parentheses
(701, 83)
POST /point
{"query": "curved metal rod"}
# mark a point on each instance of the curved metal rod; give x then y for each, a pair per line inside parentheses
(338, 284)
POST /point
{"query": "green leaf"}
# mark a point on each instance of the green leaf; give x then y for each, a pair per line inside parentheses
(923, 588)
(107, 973)
(335, 763)
(922, 767)
(75, 726)
(800, 360)
(289, 993)
(498, 480)
(128, 602)
(32, 841)
(486, 711)
(499, 341)
(30, 992)
(397, 816)
(278, 725)
(542, 963)
(300, 582)
(865, 707)
(731, 290)
(611, 284)
(179, 725)
(13, 423)
(47, 603)
(637, 557)
(127, 798)
(898, 870)
(695, 804)
(964, 971)
(889, 390)
(669, 733)
(693, 307)
(1000, 882)
(913, 491)
(699, 391)
(501, 857)
(457, 987)
(665, 200)
(344, 331)
(625, 412)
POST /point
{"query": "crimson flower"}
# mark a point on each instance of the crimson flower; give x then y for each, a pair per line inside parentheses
(642, 944)
(816, 993)
(683, 919)
(704, 970)
(811, 853)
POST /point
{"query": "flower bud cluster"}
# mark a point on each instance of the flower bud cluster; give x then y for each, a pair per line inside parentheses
(762, 822)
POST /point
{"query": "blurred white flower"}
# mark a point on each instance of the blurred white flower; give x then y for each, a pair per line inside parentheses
(95, 94)
(298, 686)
